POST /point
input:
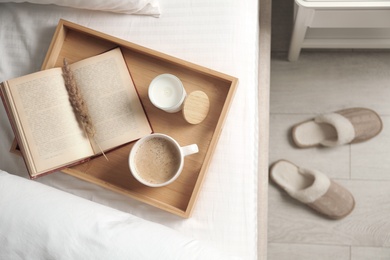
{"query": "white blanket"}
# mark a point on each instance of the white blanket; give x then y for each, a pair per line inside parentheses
(219, 34)
(44, 223)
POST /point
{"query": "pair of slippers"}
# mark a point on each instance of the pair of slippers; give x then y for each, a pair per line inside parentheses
(312, 187)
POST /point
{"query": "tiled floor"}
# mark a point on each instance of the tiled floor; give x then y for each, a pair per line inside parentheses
(322, 82)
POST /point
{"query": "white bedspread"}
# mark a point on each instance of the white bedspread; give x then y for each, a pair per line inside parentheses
(220, 34)
(58, 225)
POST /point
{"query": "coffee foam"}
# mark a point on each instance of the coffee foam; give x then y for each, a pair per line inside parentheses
(157, 160)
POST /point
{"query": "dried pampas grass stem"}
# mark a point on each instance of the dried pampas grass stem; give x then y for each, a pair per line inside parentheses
(78, 103)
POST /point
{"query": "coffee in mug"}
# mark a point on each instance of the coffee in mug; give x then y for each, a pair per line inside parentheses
(157, 160)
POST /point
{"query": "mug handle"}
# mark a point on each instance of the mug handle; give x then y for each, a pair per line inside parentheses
(189, 149)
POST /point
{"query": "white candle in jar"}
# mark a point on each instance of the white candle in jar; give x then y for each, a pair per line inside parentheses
(167, 93)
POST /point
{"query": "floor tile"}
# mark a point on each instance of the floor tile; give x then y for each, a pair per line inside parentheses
(328, 81)
(306, 252)
(369, 253)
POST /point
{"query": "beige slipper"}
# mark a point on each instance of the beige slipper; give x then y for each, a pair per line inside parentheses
(313, 188)
(353, 125)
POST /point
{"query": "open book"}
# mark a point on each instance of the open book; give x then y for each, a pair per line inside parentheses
(46, 126)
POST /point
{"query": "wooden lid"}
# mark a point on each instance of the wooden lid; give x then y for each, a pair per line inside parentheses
(196, 107)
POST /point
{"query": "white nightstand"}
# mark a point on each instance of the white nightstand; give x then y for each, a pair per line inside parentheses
(340, 24)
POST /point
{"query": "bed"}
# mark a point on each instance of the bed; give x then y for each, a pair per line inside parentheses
(230, 213)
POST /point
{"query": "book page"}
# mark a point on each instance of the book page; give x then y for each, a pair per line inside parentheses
(45, 120)
(112, 100)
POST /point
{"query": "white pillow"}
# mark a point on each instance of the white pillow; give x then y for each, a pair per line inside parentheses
(40, 222)
(142, 7)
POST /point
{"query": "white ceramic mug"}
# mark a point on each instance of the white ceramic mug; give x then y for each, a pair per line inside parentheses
(157, 160)
(167, 93)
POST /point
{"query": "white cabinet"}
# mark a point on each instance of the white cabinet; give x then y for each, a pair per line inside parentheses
(340, 24)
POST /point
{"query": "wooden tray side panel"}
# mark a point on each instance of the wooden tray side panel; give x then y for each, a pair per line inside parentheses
(55, 47)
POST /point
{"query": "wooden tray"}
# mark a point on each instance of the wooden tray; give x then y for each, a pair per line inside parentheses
(76, 42)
